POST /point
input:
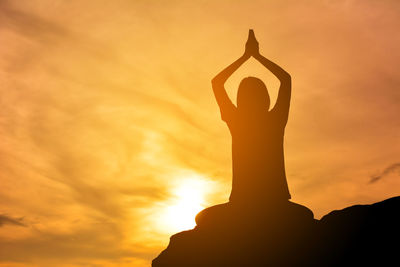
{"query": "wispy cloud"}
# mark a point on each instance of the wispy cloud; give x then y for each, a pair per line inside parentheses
(97, 240)
(4, 219)
(390, 169)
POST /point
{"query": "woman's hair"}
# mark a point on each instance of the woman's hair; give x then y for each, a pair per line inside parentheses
(252, 94)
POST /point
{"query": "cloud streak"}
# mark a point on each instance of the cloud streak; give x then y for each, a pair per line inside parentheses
(395, 167)
(4, 220)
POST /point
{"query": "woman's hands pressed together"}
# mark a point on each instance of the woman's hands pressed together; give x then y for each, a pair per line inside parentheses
(252, 48)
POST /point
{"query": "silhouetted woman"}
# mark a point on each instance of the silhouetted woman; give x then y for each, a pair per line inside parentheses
(259, 178)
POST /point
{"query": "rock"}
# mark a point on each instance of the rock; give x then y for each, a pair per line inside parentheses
(286, 234)
(361, 234)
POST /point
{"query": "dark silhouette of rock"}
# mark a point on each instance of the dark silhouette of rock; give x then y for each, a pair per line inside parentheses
(361, 234)
(288, 235)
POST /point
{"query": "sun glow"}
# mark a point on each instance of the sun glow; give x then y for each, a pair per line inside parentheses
(188, 200)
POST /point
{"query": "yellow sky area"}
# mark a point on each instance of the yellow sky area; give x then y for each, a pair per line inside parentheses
(111, 140)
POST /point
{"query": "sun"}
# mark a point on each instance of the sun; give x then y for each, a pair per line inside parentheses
(188, 200)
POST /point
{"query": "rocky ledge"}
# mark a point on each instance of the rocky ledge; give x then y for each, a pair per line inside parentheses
(288, 235)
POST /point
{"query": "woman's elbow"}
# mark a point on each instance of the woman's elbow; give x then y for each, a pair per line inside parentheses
(287, 77)
(216, 83)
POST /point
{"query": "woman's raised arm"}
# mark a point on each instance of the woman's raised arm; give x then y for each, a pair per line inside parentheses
(218, 81)
(283, 102)
(225, 104)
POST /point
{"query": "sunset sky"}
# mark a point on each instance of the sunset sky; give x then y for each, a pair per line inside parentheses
(111, 139)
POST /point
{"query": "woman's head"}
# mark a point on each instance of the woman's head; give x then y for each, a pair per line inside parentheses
(252, 95)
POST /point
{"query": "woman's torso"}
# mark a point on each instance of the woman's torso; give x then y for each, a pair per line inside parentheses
(258, 158)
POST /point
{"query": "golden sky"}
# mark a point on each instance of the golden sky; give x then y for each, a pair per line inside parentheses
(111, 140)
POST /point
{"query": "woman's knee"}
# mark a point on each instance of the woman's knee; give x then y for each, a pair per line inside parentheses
(199, 217)
(302, 210)
(210, 214)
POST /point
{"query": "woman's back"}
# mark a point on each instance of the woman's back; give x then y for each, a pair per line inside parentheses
(257, 157)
